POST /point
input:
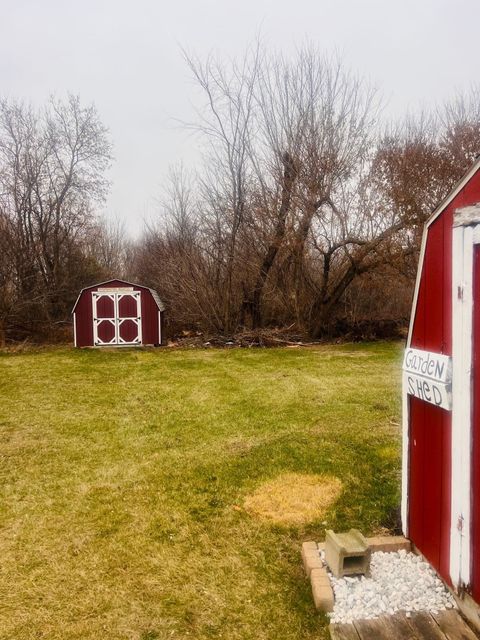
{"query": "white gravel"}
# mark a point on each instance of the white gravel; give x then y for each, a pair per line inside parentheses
(399, 581)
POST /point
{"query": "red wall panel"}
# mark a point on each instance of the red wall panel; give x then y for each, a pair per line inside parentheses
(150, 319)
(84, 320)
(84, 314)
(430, 427)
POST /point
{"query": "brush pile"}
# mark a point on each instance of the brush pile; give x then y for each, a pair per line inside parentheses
(272, 337)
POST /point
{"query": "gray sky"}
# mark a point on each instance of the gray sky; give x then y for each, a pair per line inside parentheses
(125, 57)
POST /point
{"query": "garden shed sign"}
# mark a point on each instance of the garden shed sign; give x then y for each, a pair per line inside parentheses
(428, 376)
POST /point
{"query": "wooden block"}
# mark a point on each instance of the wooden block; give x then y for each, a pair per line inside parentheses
(375, 629)
(453, 625)
(343, 632)
(469, 609)
(425, 627)
(399, 627)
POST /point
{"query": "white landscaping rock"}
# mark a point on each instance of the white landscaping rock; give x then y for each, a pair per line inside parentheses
(399, 581)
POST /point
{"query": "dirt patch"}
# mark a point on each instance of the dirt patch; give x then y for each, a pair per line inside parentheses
(294, 498)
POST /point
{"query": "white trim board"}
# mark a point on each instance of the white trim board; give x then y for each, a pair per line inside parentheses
(405, 399)
(116, 295)
(466, 216)
(405, 457)
(463, 241)
(455, 191)
(418, 281)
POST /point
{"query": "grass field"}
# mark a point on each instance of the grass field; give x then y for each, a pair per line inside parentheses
(124, 476)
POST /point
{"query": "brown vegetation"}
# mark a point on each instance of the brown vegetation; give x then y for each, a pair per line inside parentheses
(294, 498)
(305, 213)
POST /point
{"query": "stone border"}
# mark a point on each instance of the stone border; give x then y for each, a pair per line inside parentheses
(314, 568)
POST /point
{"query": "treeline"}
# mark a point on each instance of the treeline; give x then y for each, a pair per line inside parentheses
(306, 211)
(52, 243)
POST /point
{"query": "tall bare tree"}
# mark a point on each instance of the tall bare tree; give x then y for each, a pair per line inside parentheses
(301, 193)
(226, 122)
(52, 172)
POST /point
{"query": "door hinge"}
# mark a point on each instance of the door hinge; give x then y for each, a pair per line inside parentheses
(460, 524)
(460, 292)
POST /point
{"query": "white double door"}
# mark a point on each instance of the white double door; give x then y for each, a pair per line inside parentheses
(117, 318)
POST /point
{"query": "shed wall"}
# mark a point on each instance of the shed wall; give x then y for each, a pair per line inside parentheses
(84, 314)
(430, 427)
(150, 319)
(83, 320)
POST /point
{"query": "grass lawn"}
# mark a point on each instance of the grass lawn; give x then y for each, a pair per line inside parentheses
(124, 475)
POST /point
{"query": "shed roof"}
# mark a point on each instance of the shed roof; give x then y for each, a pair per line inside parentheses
(468, 175)
(155, 295)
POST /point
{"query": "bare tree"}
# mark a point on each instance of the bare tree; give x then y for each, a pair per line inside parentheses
(109, 246)
(173, 257)
(52, 172)
(303, 199)
(326, 118)
(227, 124)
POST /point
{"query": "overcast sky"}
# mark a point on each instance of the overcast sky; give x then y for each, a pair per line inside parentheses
(125, 57)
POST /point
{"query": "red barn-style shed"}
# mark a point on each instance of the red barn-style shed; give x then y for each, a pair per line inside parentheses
(117, 313)
(441, 393)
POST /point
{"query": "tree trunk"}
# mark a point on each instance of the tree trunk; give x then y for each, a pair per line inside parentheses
(289, 176)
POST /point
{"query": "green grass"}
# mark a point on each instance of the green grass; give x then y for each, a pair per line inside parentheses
(123, 475)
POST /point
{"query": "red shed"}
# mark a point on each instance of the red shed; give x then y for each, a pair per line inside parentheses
(441, 393)
(117, 313)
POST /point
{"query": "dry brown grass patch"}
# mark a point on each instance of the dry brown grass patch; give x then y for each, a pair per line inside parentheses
(294, 498)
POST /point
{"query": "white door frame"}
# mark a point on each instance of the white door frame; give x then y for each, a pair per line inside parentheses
(96, 320)
(137, 319)
(116, 296)
(466, 234)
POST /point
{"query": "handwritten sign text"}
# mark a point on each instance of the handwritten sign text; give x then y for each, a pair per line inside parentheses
(428, 376)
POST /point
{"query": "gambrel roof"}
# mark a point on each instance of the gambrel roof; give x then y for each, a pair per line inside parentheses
(156, 297)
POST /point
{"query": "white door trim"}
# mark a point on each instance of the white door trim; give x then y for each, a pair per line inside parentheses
(405, 457)
(463, 241)
(405, 399)
(117, 340)
(137, 319)
(96, 321)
